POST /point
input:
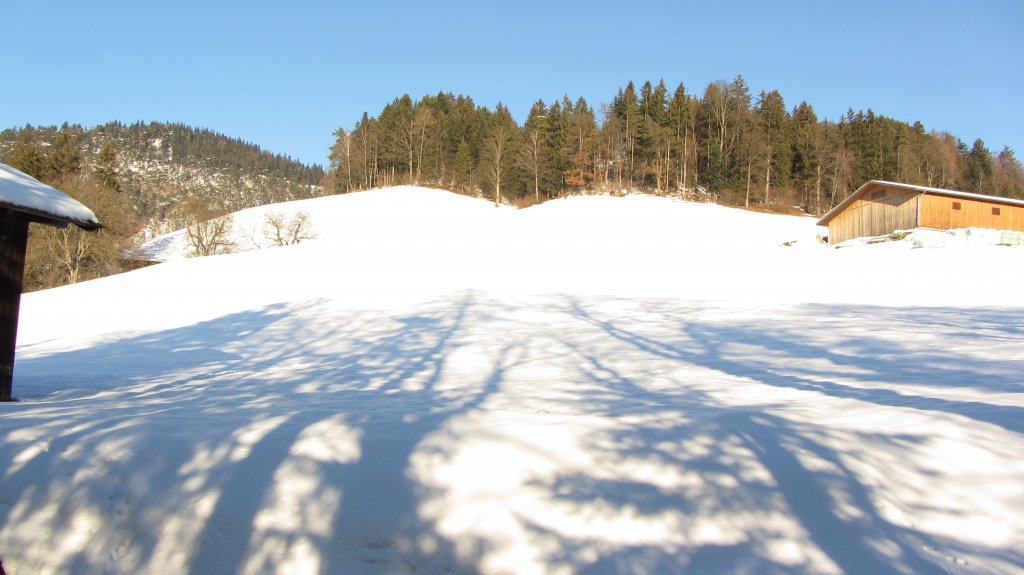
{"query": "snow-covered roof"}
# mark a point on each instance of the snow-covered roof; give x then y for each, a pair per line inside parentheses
(923, 189)
(23, 193)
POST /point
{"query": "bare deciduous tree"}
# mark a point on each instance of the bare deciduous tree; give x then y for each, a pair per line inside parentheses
(283, 231)
(497, 145)
(530, 158)
(60, 256)
(498, 151)
(422, 121)
(207, 231)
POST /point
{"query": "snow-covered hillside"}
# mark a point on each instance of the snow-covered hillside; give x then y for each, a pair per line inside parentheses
(159, 164)
(592, 385)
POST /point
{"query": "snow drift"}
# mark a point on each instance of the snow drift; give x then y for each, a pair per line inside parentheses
(592, 385)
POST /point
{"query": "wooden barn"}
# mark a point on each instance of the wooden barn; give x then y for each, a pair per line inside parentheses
(879, 208)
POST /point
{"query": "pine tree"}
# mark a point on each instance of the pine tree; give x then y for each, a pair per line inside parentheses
(645, 142)
(739, 111)
(979, 168)
(680, 120)
(579, 144)
(64, 158)
(464, 127)
(105, 168)
(1009, 174)
(399, 136)
(653, 140)
(805, 149)
(773, 121)
(627, 113)
(861, 138)
(463, 166)
(717, 135)
(28, 157)
(749, 156)
(553, 145)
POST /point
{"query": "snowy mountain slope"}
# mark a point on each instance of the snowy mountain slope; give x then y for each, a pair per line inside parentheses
(594, 385)
(159, 164)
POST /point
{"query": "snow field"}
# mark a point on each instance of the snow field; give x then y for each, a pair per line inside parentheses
(593, 385)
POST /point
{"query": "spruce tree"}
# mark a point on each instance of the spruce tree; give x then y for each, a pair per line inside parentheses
(979, 168)
(773, 120)
(579, 145)
(463, 166)
(105, 168)
(680, 120)
(1009, 174)
(716, 133)
(28, 157)
(553, 146)
(805, 166)
(626, 109)
(738, 106)
(64, 158)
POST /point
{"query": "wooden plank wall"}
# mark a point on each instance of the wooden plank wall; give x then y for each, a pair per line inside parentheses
(896, 210)
(937, 212)
(13, 239)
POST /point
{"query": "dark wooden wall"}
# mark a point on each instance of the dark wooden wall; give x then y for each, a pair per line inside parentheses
(13, 239)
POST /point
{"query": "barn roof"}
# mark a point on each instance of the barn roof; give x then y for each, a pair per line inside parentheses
(922, 189)
(20, 192)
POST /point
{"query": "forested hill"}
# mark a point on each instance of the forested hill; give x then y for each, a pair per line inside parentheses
(724, 142)
(160, 164)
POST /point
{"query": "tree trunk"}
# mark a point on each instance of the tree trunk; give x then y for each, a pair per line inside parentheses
(768, 177)
(750, 163)
(686, 158)
(419, 156)
(835, 184)
(412, 174)
(817, 190)
(348, 164)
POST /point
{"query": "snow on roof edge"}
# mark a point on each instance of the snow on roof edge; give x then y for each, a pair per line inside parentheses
(23, 193)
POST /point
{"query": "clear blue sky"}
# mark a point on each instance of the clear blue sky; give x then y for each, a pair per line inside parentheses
(284, 75)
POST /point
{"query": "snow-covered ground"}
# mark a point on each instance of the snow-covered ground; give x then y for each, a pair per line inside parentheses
(592, 385)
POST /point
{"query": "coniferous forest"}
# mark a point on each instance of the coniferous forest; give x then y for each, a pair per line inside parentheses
(725, 144)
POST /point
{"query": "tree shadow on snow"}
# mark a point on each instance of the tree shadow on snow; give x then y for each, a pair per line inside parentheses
(762, 492)
(280, 440)
(230, 410)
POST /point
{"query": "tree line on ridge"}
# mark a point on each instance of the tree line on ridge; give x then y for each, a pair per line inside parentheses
(725, 144)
